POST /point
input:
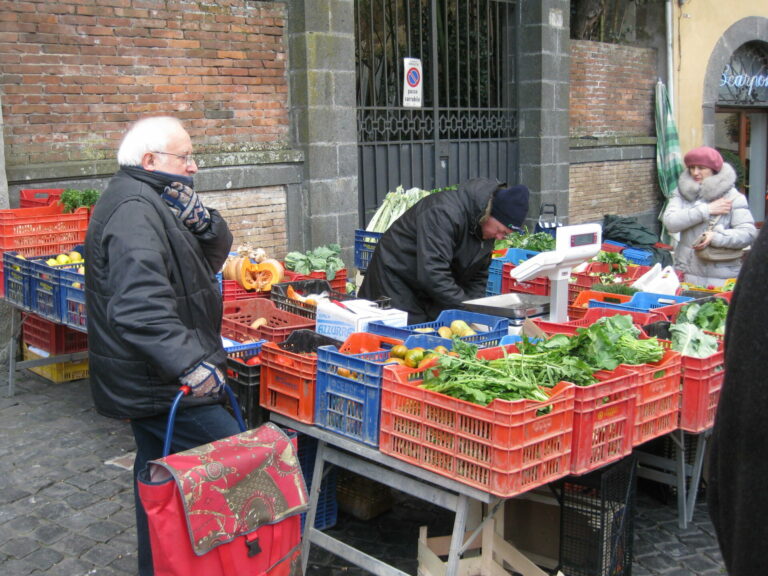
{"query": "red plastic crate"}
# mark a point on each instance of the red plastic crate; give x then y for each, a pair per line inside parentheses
(50, 337)
(338, 284)
(504, 448)
(31, 198)
(578, 309)
(657, 397)
(231, 290)
(584, 280)
(363, 342)
(44, 225)
(288, 376)
(539, 286)
(591, 316)
(603, 420)
(239, 314)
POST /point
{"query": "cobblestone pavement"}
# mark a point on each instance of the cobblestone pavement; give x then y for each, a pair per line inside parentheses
(66, 502)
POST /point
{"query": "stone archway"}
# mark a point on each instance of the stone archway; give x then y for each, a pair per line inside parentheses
(743, 31)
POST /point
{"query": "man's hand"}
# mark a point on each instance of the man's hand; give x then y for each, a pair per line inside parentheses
(185, 204)
(203, 380)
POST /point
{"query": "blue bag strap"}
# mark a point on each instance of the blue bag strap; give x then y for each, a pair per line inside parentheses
(183, 391)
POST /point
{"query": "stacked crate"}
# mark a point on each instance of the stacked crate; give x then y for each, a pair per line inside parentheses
(42, 338)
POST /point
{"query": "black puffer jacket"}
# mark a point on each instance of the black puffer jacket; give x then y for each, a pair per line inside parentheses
(154, 308)
(433, 257)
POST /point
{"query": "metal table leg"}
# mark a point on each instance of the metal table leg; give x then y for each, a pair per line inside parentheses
(314, 497)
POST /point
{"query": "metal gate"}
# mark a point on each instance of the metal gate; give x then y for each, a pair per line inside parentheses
(467, 123)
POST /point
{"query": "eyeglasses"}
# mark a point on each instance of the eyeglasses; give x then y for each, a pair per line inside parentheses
(189, 159)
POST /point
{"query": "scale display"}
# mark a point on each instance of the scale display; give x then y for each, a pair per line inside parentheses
(583, 239)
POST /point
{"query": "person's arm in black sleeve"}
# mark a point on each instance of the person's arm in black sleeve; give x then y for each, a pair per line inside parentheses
(216, 241)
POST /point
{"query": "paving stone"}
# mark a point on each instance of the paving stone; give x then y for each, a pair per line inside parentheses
(44, 558)
(103, 530)
(102, 555)
(20, 547)
(68, 567)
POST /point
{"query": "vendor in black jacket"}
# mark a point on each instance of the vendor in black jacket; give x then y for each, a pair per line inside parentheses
(154, 307)
(437, 254)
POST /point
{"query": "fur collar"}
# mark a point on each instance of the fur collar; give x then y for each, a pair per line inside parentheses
(711, 188)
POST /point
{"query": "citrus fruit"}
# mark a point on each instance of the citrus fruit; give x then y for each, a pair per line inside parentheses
(398, 351)
(413, 357)
(441, 350)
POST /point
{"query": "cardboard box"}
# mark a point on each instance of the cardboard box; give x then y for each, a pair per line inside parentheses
(532, 524)
(339, 320)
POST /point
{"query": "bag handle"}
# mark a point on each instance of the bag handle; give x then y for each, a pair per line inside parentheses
(183, 391)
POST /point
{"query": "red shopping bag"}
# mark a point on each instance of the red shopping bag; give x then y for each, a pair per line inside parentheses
(230, 507)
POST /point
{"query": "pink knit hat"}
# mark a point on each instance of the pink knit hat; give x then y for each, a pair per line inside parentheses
(704, 156)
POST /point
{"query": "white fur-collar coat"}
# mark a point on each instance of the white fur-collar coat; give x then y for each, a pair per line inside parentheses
(688, 213)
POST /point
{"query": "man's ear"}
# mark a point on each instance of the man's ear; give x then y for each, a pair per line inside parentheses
(148, 162)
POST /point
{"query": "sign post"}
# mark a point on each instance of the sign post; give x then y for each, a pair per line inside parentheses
(412, 83)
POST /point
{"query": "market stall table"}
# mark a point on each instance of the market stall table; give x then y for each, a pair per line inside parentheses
(413, 480)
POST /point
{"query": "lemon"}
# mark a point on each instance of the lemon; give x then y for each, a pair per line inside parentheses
(51, 261)
(62, 259)
(75, 256)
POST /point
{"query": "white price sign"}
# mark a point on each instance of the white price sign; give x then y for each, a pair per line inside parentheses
(412, 83)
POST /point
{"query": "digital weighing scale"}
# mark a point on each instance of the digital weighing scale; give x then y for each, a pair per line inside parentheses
(573, 245)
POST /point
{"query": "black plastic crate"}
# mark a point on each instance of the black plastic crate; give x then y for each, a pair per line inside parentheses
(597, 521)
(279, 296)
(327, 506)
(244, 379)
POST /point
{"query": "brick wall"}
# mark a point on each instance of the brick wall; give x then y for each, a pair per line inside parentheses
(600, 188)
(612, 90)
(74, 72)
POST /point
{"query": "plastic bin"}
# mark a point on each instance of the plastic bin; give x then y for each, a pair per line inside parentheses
(584, 280)
(585, 300)
(603, 420)
(645, 302)
(289, 373)
(365, 244)
(52, 338)
(244, 379)
(72, 295)
(306, 287)
(45, 288)
(16, 280)
(327, 511)
(240, 314)
(539, 286)
(657, 396)
(32, 198)
(639, 256)
(231, 290)
(339, 282)
(43, 225)
(505, 448)
(348, 391)
(497, 327)
(58, 372)
(511, 255)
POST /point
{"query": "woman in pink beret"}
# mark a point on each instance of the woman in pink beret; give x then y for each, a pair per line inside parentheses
(707, 210)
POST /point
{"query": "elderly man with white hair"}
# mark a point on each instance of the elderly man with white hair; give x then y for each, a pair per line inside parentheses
(152, 298)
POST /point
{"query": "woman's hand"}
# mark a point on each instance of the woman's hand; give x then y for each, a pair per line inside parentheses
(720, 206)
(703, 240)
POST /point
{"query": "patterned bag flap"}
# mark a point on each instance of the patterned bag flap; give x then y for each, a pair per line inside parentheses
(235, 485)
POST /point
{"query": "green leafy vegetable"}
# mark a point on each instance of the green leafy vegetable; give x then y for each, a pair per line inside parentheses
(395, 204)
(325, 258)
(537, 242)
(72, 199)
(690, 340)
(709, 315)
(619, 263)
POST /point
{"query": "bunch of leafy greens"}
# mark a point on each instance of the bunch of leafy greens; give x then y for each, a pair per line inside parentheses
(709, 315)
(325, 258)
(604, 345)
(395, 204)
(619, 264)
(511, 377)
(536, 242)
(690, 340)
(72, 199)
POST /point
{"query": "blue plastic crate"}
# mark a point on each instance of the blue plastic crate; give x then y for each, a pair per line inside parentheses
(16, 280)
(498, 327)
(327, 511)
(348, 393)
(639, 257)
(642, 302)
(72, 295)
(365, 244)
(45, 288)
(427, 341)
(614, 243)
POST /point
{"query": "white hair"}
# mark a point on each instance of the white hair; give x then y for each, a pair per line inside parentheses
(147, 135)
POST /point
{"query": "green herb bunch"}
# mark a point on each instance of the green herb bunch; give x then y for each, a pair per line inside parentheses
(325, 258)
(72, 199)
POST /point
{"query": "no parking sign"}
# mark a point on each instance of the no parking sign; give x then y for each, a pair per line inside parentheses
(412, 83)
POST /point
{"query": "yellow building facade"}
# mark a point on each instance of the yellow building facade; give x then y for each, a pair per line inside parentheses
(718, 80)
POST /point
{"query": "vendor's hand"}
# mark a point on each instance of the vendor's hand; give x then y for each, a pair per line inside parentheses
(703, 241)
(720, 206)
(203, 380)
(185, 204)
